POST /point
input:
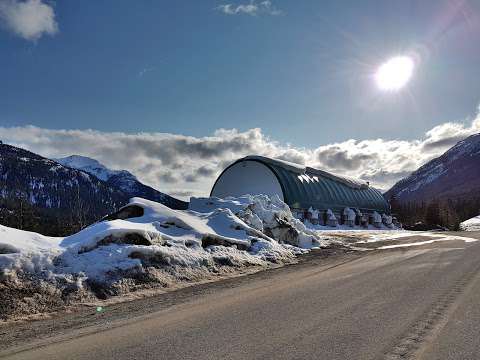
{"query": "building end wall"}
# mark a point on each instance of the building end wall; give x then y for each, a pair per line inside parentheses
(247, 177)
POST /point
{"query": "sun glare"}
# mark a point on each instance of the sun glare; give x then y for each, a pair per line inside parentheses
(395, 73)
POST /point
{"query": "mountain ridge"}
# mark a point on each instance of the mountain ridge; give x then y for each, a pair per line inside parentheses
(121, 179)
(443, 192)
(454, 174)
(42, 195)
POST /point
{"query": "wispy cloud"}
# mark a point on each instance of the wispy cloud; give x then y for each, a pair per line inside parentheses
(30, 19)
(253, 8)
(186, 165)
(142, 72)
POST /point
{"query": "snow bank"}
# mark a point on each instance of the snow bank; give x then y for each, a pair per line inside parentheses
(472, 224)
(350, 216)
(246, 231)
(376, 219)
(146, 244)
(25, 250)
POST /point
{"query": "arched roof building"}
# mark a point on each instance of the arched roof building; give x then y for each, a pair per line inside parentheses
(298, 186)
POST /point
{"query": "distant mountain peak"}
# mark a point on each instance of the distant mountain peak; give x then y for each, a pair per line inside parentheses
(65, 194)
(93, 167)
(120, 179)
(33, 187)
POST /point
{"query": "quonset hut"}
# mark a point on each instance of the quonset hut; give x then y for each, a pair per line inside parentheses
(300, 187)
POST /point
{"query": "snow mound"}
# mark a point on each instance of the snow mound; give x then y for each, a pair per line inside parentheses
(28, 251)
(245, 231)
(147, 245)
(267, 217)
(472, 224)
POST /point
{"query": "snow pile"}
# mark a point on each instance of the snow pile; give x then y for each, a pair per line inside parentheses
(376, 219)
(146, 245)
(270, 217)
(314, 214)
(386, 224)
(472, 224)
(146, 238)
(331, 219)
(28, 251)
(387, 220)
(350, 216)
(346, 219)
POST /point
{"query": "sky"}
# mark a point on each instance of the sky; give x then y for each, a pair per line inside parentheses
(174, 91)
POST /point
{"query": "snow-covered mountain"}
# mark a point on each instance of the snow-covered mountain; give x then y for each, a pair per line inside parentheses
(60, 197)
(40, 194)
(120, 179)
(88, 165)
(454, 175)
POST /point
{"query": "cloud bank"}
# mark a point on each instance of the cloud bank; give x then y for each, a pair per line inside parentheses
(253, 8)
(30, 19)
(185, 165)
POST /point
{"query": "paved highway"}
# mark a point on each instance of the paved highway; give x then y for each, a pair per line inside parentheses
(395, 304)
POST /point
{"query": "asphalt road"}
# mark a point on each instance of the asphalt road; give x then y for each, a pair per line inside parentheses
(394, 304)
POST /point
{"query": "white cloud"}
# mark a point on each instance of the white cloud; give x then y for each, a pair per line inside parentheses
(253, 8)
(186, 165)
(29, 19)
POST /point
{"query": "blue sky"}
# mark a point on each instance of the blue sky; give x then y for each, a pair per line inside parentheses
(302, 75)
(299, 71)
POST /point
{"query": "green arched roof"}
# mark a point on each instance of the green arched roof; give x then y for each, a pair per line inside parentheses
(304, 187)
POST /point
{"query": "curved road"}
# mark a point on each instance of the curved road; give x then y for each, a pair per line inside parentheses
(397, 304)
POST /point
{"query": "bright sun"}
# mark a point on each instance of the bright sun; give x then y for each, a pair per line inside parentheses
(395, 73)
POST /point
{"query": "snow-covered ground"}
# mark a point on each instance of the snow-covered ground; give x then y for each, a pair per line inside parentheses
(148, 245)
(472, 224)
(379, 238)
(436, 238)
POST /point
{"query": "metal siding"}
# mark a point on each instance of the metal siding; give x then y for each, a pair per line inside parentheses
(324, 190)
(363, 199)
(326, 193)
(310, 188)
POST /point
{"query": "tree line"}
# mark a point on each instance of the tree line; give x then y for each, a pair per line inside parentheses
(447, 213)
(20, 214)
